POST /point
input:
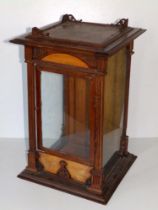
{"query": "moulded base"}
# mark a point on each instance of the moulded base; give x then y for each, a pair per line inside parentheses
(114, 171)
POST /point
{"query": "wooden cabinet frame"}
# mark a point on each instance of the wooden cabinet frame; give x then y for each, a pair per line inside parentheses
(92, 47)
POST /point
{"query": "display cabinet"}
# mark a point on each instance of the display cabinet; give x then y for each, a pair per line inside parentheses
(78, 83)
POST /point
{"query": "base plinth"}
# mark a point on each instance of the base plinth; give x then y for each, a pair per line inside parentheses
(114, 172)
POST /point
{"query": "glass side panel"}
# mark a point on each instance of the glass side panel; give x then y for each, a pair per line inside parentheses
(65, 114)
(114, 104)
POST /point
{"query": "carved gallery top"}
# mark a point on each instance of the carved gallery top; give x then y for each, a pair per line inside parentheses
(70, 33)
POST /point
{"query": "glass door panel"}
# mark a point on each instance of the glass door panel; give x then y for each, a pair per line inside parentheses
(65, 114)
(114, 93)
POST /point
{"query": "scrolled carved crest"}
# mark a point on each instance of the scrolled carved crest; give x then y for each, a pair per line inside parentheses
(123, 23)
(69, 17)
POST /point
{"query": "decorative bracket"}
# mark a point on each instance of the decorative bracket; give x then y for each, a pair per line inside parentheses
(63, 172)
(123, 23)
(69, 17)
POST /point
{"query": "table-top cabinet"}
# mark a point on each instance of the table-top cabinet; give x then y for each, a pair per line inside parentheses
(78, 85)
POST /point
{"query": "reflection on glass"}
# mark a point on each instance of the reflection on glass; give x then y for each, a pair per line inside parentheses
(114, 104)
(65, 114)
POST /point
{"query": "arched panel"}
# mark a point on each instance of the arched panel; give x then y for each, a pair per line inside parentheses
(65, 59)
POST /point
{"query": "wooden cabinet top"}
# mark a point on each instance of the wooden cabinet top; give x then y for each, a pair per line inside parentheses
(73, 34)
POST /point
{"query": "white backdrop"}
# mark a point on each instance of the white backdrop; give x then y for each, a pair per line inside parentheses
(16, 17)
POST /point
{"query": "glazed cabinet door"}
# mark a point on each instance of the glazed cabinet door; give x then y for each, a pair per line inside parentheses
(63, 114)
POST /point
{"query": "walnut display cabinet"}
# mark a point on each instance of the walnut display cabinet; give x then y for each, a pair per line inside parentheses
(78, 83)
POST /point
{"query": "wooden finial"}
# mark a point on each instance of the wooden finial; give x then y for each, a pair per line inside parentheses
(36, 32)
